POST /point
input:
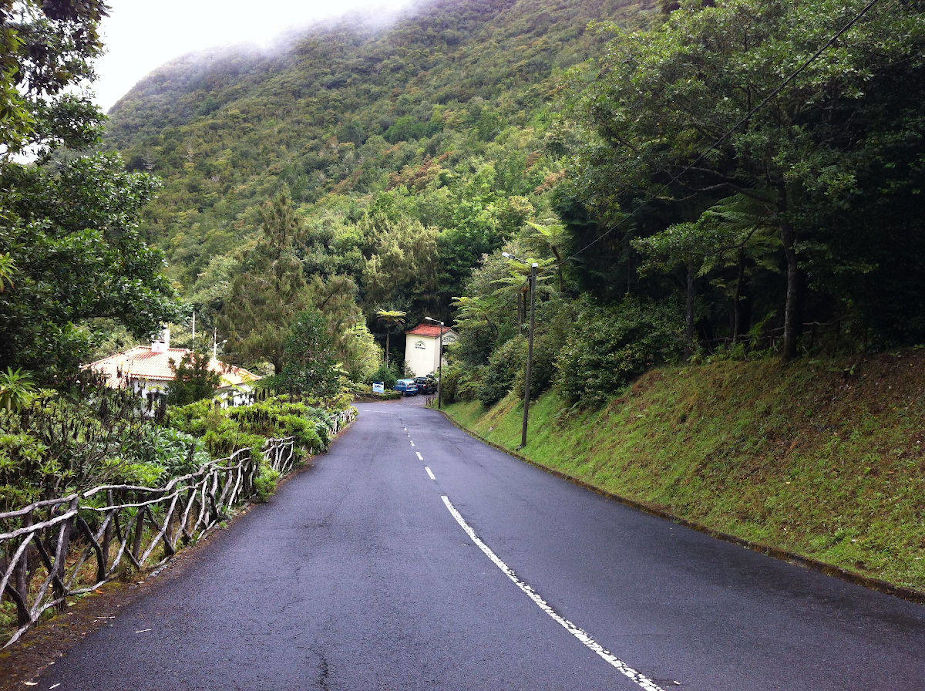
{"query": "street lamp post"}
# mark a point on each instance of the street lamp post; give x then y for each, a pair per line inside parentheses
(532, 285)
(439, 364)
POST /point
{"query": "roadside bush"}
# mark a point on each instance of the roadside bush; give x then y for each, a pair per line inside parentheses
(225, 430)
(609, 346)
(555, 321)
(502, 369)
(265, 483)
(470, 382)
(449, 385)
(384, 374)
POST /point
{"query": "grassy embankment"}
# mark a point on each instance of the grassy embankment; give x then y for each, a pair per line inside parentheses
(823, 459)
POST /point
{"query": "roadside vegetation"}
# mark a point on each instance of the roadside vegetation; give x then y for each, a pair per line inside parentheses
(823, 458)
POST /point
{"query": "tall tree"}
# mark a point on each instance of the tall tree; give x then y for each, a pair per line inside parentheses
(193, 379)
(47, 51)
(666, 98)
(311, 367)
(392, 319)
(71, 232)
(268, 292)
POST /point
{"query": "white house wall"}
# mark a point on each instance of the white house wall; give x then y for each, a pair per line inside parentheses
(421, 353)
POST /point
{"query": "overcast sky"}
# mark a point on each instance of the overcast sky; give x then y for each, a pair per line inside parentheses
(141, 35)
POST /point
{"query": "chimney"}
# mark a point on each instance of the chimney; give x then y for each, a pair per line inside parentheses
(161, 344)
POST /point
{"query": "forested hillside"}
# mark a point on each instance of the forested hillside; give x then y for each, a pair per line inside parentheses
(392, 143)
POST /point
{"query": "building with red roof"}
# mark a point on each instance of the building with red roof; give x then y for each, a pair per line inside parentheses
(422, 347)
(150, 369)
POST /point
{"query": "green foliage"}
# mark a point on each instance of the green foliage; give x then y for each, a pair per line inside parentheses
(384, 374)
(449, 385)
(503, 366)
(265, 483)
(71, 233)
(193, 380)
(823, 158)
(311, 368)
(612, 345)
(225, 430)
(16, 388)
(47, 51)
(61, 442)
(269, 290)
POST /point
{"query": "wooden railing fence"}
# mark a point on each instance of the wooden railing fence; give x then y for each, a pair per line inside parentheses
(59, 548)
(55, 549)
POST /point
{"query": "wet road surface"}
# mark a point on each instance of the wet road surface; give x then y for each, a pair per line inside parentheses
(413, 556)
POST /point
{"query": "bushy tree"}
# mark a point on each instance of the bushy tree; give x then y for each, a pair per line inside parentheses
(193, 379)
(269, 290)
(311, 367)
(71, 231)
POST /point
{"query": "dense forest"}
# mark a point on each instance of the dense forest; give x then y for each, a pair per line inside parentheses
(678, 203)
(738, 179)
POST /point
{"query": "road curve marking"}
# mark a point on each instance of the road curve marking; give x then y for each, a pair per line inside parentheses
(430, 473)
(637, 677)
(420, 457)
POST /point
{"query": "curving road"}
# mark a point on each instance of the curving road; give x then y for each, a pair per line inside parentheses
(413, 556)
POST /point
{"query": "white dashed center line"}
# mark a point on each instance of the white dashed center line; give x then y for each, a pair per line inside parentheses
(420, 457)
(637, 677)
(430, 473)
(412, 443)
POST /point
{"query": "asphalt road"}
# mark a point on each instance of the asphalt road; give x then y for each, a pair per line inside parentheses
(359, 575)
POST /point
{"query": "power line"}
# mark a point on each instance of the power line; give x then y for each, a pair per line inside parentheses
(748, 115)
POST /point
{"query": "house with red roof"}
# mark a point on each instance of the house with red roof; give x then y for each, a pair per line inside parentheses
(422, 347)
(149, 370)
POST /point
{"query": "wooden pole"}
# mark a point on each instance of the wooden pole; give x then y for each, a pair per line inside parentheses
(523, 434)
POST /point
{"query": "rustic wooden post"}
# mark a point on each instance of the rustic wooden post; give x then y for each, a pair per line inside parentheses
(64, 546)
(139, 533)
(22, 581)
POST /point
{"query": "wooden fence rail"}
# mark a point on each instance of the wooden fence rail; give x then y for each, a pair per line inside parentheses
(59, 548)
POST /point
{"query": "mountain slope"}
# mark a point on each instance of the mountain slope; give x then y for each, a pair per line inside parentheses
(355, 111)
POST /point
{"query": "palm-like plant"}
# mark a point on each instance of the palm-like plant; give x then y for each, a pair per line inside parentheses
(16, 388)
(391, 318)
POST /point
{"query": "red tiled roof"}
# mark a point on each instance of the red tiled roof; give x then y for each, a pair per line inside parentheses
(431, 330)
(141, 362)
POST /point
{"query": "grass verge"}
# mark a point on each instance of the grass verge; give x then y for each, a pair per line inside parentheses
(822, 459)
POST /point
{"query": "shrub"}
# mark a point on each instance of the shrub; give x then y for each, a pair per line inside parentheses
(384, 374)
(503, 367)
(449, 385)
(265, 483)
(609, 346)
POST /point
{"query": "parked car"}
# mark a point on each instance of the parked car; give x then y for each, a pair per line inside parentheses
(426, 385)
(407, 387)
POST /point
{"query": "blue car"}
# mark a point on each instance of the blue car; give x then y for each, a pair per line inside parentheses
(407, 387)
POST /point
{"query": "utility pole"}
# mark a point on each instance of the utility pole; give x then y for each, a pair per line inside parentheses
(194, 329)
(532, 288)
(439, 364)
(523, 434)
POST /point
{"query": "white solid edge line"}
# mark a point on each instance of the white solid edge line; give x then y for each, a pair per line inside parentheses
(640, 679)
(430, 473)
(420, 457)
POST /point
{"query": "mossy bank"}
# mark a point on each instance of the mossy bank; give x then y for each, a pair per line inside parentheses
(825, 459)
